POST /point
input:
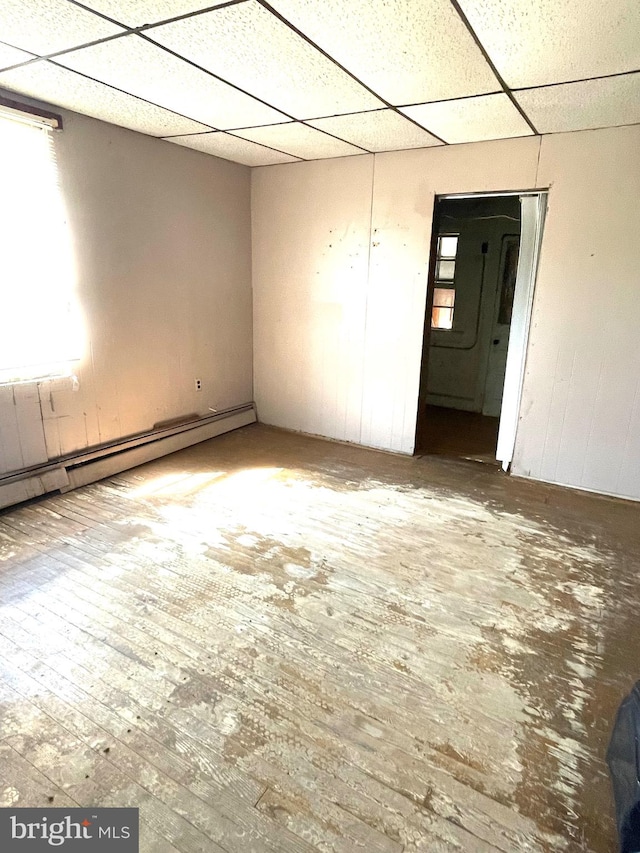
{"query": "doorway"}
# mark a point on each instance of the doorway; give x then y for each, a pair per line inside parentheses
(476, 324)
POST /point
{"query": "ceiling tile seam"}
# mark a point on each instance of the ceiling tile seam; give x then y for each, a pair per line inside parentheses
(332, 135)
(388, 108)
(171, 20)
(318, 118)
(138, 98)
(421, 126)
(449, 100)
(328, 56)
(8, 44)
(234, 130)
(19, 65)
(194, 133)
(137, 31)
(226, 133)
(194, 14)
(372, 154)
(140, 31)
(317, 47)
(499, 78)
(98, 14)
(184, 59)
(496, 139)
(204, 124)
(590, 129)
(579, 80)
(305, 122)
(341, 115)
(261, 144)
(322, 159)
(38, 56)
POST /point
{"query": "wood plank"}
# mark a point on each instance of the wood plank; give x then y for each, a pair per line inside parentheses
(290, 645)
(358, 734)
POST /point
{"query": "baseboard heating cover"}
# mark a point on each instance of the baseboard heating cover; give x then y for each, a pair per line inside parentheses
(89, 466)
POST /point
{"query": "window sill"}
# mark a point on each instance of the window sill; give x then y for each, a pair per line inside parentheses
(66, 372)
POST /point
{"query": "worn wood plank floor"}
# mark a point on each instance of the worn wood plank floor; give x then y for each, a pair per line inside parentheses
(273, 643)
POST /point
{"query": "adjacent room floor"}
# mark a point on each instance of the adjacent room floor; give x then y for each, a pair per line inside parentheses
(273, 643)
(453, 432)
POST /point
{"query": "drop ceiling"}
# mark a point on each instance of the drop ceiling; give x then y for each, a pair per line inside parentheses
(261, 82)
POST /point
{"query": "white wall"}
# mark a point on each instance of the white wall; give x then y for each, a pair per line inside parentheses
(163, 250)
(580, 414)
(340, 260)
(311, 265)
(340, 255)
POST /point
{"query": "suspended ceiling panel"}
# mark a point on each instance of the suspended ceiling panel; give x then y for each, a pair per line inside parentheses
(533, 42)
(64, 88)
(46, 26)
(251, 48)
(12, 56)
(232, 148)
(143, 69)
(300, 140)
(406, 51)
(381, 130)
(579, 106)
(471, 119)
(251, 65)
(137, 13)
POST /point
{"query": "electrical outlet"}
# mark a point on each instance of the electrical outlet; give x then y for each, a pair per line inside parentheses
(198, 384)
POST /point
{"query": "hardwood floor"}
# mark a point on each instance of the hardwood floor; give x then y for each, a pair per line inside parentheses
(269, 642)
(453, 432)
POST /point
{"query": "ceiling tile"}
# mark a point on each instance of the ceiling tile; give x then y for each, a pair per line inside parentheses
(232, 148)
(579, 106)
(12, 56)
(533, 42)
(46, 26)
(471, 119)
(143, 12)
(63, 88)
(380, 130)
(251, 48)
(135, 65)
(406, 51)
(299, 140)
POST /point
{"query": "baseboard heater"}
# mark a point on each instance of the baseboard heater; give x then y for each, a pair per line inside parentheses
(89, 466)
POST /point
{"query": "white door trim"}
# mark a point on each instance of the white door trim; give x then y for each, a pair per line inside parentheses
(533, 207)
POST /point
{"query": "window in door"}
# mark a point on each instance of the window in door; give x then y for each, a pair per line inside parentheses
(444, 293)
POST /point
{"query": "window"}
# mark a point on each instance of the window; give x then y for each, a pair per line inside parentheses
(444, 293)
(40, 327)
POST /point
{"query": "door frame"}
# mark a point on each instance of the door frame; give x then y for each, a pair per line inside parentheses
(534, 208)
(528, 262)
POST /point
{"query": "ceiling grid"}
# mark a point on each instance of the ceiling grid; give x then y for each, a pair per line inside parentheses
(261, 82)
